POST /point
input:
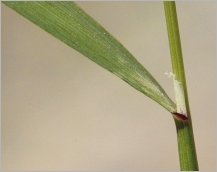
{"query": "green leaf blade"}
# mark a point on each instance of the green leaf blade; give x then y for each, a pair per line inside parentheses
(69, 23)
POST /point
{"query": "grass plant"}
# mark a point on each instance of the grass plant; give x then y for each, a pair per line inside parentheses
(69, 23)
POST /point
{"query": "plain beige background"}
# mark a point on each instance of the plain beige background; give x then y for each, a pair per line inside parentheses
(60, 111)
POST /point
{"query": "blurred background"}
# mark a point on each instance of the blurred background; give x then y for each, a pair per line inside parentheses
(61, 111)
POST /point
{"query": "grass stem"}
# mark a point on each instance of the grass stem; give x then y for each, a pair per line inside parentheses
(185, 136)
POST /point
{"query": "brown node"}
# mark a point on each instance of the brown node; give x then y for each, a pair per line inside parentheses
(180, 116)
